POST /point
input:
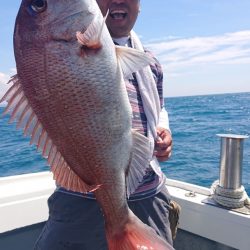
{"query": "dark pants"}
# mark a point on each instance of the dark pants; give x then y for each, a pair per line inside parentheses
(76, 223)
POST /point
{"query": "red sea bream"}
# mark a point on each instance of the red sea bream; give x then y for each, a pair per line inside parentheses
(70, 97)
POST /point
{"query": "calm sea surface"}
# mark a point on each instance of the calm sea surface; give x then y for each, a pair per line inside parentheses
(194, 122)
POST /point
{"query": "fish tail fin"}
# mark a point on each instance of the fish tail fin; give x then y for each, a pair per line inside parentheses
(136, 236)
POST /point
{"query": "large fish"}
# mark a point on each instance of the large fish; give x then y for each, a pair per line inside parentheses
(70, 97)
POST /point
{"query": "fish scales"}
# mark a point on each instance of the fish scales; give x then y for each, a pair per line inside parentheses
(78, 113)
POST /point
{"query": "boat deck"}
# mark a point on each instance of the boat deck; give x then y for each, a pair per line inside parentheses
(23, 210)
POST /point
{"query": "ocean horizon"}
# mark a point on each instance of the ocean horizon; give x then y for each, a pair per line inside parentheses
(205, 94)
(4, 104)
(194, 121)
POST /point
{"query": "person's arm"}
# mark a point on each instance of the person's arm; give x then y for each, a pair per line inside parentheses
(163, 146)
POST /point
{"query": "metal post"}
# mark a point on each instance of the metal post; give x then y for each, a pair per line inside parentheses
(231, 160)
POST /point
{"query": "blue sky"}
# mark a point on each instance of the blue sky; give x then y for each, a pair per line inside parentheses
(203, 45)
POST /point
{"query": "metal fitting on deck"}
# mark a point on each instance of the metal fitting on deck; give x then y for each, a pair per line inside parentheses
(228, 191)
(231, 160)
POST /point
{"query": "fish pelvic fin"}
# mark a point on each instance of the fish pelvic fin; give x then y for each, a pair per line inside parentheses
(136, 236)
(132, 60)
(21, 111)
(139, 162)
(91, 38)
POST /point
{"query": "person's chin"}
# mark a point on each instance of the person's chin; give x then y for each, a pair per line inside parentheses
(117, 28)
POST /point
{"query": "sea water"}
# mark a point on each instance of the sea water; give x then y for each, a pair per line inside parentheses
(194, 122)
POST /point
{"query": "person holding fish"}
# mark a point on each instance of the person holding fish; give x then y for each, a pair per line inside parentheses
(91, 98)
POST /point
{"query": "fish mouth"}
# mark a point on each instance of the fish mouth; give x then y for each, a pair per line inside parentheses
(118, 14)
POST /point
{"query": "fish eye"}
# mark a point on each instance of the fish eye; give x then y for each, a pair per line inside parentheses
(38, 5)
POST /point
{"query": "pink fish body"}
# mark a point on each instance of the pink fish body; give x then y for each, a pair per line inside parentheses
(70, 97)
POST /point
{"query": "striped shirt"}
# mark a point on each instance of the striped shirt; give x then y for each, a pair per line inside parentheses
(151, 183)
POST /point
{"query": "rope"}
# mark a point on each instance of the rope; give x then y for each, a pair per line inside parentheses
(230, 198)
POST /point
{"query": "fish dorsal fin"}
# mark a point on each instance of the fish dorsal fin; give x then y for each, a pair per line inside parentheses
(20, 110)
(91, 37)
(132, 60)
(140, 160)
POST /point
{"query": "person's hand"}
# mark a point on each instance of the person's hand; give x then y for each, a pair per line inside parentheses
(163, 145)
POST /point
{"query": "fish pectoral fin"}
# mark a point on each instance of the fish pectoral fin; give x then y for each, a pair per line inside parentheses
(91, 37)
(132, 60)
(135, 235)
(139, 163)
